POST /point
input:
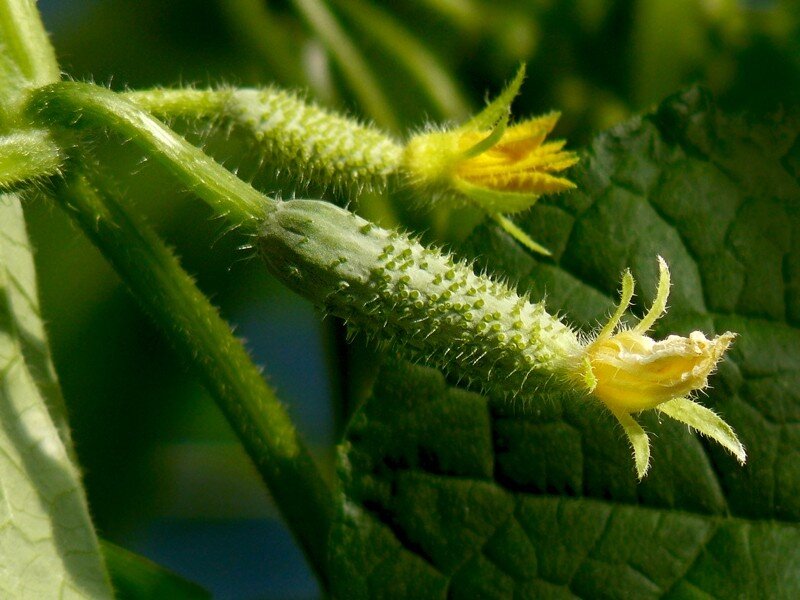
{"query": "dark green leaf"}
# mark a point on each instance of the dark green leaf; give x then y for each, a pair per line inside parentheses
(446, 493)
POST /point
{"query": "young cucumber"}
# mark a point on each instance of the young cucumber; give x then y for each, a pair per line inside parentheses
(427, 305)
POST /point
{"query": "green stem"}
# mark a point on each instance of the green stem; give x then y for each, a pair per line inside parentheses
(355, 69)
(25, 40)
(26, 156)
(185, 103)
(205, 341)
(72, 104)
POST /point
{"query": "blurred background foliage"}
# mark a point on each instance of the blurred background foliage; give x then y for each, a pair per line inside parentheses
(164, 474)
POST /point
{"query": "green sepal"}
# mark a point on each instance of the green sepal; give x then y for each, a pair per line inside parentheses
(626, 294)
(639, 442)
(499, 107)
(495, 201)
(518, 234)
(706, 421)
(485, 144)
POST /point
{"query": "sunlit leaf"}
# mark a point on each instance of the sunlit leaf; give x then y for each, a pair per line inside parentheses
(48, 547)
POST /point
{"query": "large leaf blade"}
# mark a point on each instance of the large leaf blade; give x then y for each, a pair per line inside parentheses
(421, 520)
(48, 547)
(719, 198)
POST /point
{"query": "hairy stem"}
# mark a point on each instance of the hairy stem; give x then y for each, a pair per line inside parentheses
(183, 102)
(27, 60)
(27, 155)
(74, 105)
(205, 341)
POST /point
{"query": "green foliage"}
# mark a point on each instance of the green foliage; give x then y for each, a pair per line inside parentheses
(47, 541)
(447, 493)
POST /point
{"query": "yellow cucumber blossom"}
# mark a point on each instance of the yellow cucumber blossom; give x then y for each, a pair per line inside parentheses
(632, 372)
(497, 167)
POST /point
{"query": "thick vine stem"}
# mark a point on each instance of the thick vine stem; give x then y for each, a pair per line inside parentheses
(205, 341)
(75, 105)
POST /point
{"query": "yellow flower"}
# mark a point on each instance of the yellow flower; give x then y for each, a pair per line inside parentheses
(632, 372)
(501, 169)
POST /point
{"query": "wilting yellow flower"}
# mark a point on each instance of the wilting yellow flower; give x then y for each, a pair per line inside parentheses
(501, 169)
(632, 372)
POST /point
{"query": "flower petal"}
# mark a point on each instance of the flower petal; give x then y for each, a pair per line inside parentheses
(707, 422)
(635, 372)
(532, 131)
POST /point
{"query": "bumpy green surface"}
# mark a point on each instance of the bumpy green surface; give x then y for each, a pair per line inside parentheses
(315, 144)
(447, 494)
(48, 547)
(424, 303)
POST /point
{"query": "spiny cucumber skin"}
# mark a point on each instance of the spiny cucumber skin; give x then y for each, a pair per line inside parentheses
(430, 307)
(319, 145)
